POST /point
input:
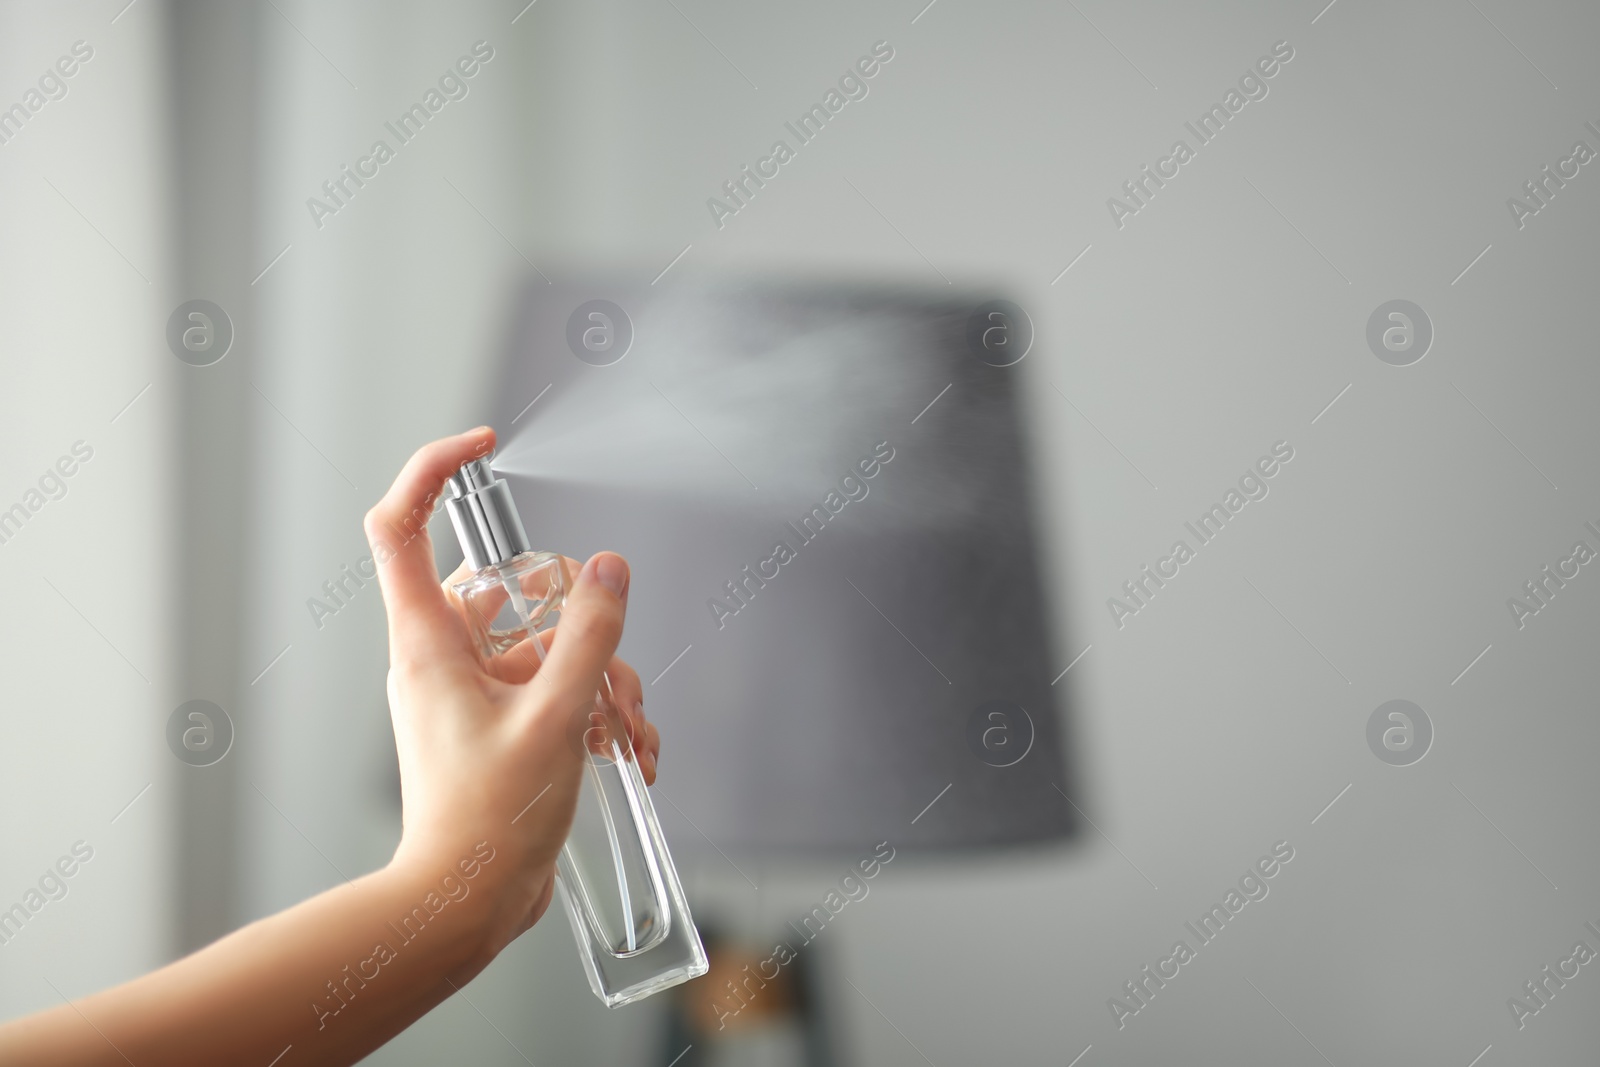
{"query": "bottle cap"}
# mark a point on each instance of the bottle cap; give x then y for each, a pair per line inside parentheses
(484, 515)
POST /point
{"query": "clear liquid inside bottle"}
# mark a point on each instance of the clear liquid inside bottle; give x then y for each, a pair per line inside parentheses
(620, 888)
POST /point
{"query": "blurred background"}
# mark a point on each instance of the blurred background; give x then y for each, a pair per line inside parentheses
(1364, 273)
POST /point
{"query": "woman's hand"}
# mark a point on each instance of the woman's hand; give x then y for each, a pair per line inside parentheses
(489, 756)
(490, 765)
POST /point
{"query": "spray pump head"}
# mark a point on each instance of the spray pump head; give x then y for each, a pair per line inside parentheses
(484, 515)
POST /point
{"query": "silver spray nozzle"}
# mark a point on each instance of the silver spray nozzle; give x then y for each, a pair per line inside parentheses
(484, 515)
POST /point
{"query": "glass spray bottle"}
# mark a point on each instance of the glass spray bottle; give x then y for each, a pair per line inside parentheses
(618, 883)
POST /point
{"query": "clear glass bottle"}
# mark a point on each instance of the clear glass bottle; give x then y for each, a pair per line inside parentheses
(620, 889)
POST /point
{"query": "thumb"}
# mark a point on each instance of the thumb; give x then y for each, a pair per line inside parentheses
(590, 628)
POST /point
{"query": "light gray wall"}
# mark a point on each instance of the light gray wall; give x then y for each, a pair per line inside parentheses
(87, 273)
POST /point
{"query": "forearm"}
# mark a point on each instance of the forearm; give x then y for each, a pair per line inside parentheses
(335, 977)
(327, 982)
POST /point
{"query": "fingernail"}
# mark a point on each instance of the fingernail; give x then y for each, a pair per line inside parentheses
(638, 711)
(611, 571)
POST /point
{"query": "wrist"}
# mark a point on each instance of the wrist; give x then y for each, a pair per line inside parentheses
(452, 890)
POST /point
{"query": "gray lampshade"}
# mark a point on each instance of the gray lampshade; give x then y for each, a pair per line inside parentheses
(896, 656)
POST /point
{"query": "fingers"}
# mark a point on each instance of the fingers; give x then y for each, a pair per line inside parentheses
(626, 690)
(625, 695)
(397, 529)
(587, 636)
(581, 660)
(516, 665)
(649, 750)
(462, 572)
